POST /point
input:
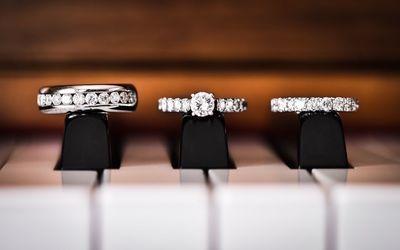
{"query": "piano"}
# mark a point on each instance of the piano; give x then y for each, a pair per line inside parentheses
(257, 50)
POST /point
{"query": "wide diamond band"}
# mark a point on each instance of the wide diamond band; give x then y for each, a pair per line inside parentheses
(104, 97)
(202, 104)
(307, 104)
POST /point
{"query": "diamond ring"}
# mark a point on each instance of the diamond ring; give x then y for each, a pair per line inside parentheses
(306, 104)
(104, 97)
(202, 104)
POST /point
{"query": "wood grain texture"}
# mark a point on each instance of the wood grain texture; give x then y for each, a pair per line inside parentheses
(378, 94)
(225, 30)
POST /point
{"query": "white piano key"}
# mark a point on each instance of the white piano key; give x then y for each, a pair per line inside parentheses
(32, 163)
(146, 161)
(269, 217)
(153, 217)
(364, 151)
(368, 174)
(44, 150)
(372, 161)
(366, 217)
(256, 163)
(6, 148)
(384, 146)
(44, 218)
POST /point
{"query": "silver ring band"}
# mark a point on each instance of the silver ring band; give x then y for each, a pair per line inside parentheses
(306, 104)
(202, 104)
(71, 98)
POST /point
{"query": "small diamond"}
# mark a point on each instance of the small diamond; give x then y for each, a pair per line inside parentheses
(162, 104)
(338, 103)
(326, 104)
(132, 97)
(299, 104)
(221, 105)
(177, 105)
(281, 104)
(114, 97)
(49, 99)
(229, 105)
(91, 99)
(103, 98)
(290, 104)
(170, 104)
(237, 105)
(66, 99)
(202, 104)
(78, 99)
(185, 104)
(56, 99)
(41, 100)
(124, 97)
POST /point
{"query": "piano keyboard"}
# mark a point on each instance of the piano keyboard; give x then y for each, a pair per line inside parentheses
(147, 204)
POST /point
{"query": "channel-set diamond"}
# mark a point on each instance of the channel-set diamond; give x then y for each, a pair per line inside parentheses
(92, 98)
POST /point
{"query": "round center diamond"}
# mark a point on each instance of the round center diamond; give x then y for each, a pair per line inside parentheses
(202, 104)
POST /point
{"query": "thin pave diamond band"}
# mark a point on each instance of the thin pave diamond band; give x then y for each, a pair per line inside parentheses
(202, 104)
(304, 104)
(104, 97)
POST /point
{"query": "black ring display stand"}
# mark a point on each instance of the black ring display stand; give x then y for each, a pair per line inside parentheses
(203, 142)
(321, 141)
(86, 144)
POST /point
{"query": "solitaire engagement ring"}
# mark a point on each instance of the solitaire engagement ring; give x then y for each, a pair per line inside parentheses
(103, 97)
(202, 104)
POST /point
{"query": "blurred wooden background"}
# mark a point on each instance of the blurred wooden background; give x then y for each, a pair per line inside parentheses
(254, 49)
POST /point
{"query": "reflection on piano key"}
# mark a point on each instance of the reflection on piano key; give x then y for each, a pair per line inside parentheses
(44, 218)
(367, 217)
(269, 217)
(256, 163)
(146, 160)
(153, 217)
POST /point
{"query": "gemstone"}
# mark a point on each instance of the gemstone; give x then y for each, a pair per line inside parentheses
(91, 99)
(326, 104)
(162, 104)
(49, 99)
(281, 104)
(78, 99)
(41, 100)
(170, 104)
(290, 104)
(124, 97)
(103, 98)
(177, 105)
(229, 105)
(132, 97)
(114, 97)
(338, 103)
(202, 104)
(221, 105)
(185, 105)
(310, 104)
(237, 105)
(56, 99)
(299, 104)
(66, 99)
